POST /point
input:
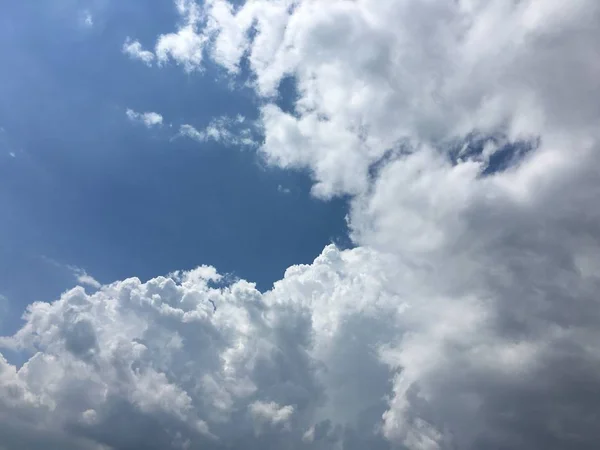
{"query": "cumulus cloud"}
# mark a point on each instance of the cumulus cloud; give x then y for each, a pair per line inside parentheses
(185, 46)
(373, 76)
(149, 119)
(360, 349)
(465, 318)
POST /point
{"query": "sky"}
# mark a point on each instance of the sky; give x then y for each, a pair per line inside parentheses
(87, 188)
(299, 224)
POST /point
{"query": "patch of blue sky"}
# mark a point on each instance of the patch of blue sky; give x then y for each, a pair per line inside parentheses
(88, 188)
(496, 152)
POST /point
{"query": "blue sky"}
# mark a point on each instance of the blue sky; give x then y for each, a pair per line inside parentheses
(82, 186)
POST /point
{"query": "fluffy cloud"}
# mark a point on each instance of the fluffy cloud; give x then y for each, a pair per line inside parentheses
(465, 318)
(150, 365)
(184, 47)
(149, 119)
(489, 344)
(374, 76)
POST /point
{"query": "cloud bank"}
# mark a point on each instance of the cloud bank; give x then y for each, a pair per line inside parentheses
(466, 134)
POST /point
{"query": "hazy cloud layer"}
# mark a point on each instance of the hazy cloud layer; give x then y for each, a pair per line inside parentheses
(466, 318)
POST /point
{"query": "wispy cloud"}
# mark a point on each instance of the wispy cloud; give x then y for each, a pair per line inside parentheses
(88, 19)
(6, 144)
(225, 130)
(134, 50)
(84, 278)
(149, 119)
(80, 274)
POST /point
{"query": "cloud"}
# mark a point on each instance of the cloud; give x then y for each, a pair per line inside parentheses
(134, 50)
(80, 275)
(487, 347)
(153, 364)
(88, 19)
(466, 317)
(149, 119)
(6, 143)
(192, 133)
(270, 413)
(186, 46)
(84, 278)
(225, 130)
(367, 86)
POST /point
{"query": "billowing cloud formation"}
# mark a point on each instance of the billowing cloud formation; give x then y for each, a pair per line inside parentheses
(149, 365)
(373, 77)
(466, 318)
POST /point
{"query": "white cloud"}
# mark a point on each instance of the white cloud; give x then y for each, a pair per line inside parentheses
(149, 119)
(134, 50)
(6, 144)
(467, 317)
(225, 130)
(80, 275)
(88, 19)
(186, 46)
(367, 84)
(458, 348)
(85, 279)
(158, 352)
(192, 133)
